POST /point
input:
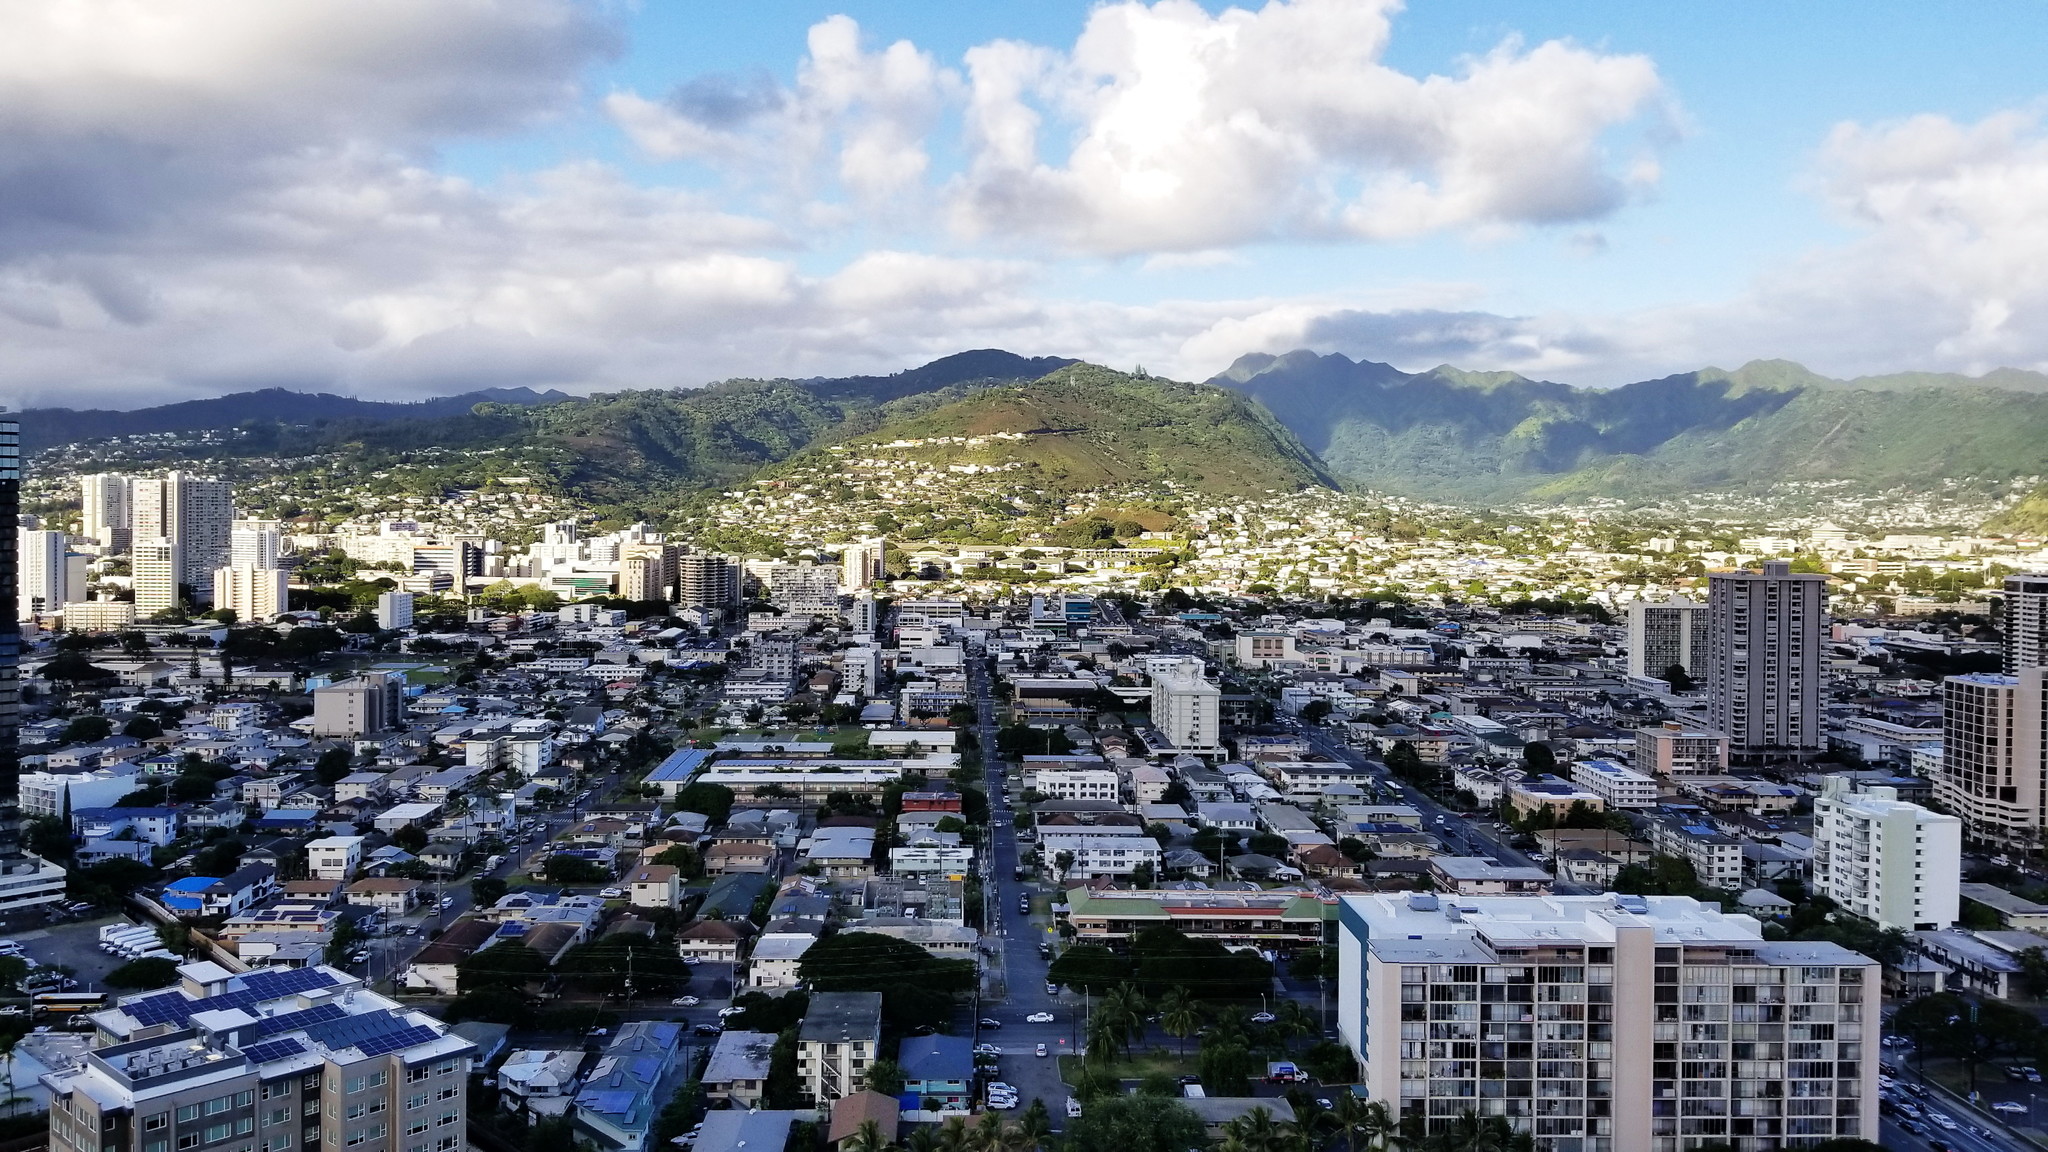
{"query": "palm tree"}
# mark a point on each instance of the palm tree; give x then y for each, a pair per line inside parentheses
(1125, 1005)
(1378, 1124)
(1256, 1131)
(1181, 1016)
(1347, 1121)
(987, 1134)
(1293, 1021)
(866, 1138)
(923, 1139)
(953, 1135)
(1035, 1126)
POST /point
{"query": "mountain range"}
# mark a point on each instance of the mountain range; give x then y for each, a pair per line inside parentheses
(1267, 422)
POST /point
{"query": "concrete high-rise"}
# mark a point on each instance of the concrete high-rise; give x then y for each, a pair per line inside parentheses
(863, 563)
(195, 516)
(2025, 622)
(43, 581)
(1186, 707)
(10, 628)
(107, 510)
(1606, 1023)
(253, 593)
(1893, 863)
(157, 577)
(1994, 758)
(1763, 675)
(1667, 633)
(394, 610)
(707, 583)
(254, 544)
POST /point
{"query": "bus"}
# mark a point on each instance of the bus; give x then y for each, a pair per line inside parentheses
(65, 1002)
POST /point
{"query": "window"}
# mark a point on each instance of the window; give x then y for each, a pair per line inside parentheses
(244, 1099)
(219, 1104)
(157, 1146)
(419, 1101)
(189, 1140)
(215, 1132)
(152, 1123)
(245, 1125)
(277, 1143)
(357, 1111)
(448, 1094)
(445, 1121)
(188, 1113)
(357, 1083)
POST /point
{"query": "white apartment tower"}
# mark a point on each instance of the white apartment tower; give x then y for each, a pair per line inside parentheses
(1607, 1023)
(156, 576)
(2026, 621)
(195, 516)
(1895, 864)
(394, 610)
(107, 511)
(253, 593)
(1186, 708)
(1994, 758)
(43, 583)
(1667, 633)
(1764, 661)
(255, 544)
(863, 563)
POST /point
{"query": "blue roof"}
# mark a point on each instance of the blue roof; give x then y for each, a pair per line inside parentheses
(191, 884)
(936, 1057)
(112, 813)
(681, 764)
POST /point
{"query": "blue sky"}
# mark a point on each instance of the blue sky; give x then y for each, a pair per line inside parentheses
(392, 199)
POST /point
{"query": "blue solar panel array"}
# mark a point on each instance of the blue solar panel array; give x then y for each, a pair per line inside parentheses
(366, 1032)
(286, 1021)
(273, 1050)
(257, 987)
(398, 1041)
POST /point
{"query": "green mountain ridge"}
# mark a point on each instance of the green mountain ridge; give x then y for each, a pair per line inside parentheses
(1458, 436)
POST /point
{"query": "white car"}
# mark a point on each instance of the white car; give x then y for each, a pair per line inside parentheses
(1942, 1119)
(612, 893)
(693, 961)
(1039, 1018)
(2010, 1107)
(728, 1013)
(988, 1050)
(1262, 1017)
(685, 1002)
(1002, 1103)
(1041, 1050)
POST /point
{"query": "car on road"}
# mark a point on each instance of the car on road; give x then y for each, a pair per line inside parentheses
(1943, 1119)
(2010, 1107)
(708, 1029)
(730, 1012)
(612, 893)
(991, 1023)
(1039, 1018)
(685, 1002)
(1262, 1017)
(447, 902)
(988, 1050)
(1052, 989)
(1073, 1107)
(693, 961)
(1041, 1050)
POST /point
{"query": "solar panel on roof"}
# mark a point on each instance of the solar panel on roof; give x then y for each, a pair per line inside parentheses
(273, 1050)
(397, 1041)
(286, 1021)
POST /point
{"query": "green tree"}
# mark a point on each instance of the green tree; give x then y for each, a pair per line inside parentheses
(88, 730)
(506, 964)
(1135, 1124)
(886, 1076)
(562, 869)
(713, 800)
(332, 765)
(143, 728)
(1538, 758)
(1681, 681)
(410, 837)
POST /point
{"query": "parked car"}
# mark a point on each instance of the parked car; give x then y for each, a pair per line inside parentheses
(707, 1029)
(685, 1002)
(612, 893)
(991, 1022)
(1262, 1017)
(729, 1013)
(2010, 1107)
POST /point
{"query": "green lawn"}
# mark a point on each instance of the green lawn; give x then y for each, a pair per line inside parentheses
(1140, 1064)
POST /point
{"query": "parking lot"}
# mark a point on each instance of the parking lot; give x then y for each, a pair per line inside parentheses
(74, 945)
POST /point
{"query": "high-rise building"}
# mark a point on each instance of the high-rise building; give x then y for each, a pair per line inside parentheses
(274, 1058)
(43, 582)
(1661, 635)
(707, 583)
(255, 544)
(1994, 758)
(640, 578)
(107, 510)
(394, 610)
(863, 563)
(253, 593)
(2025, 621)
(1895, 864)
(195, 517)
(156, 575)
(1186, 708)
(10, 629)
(1764, 661)
(1606, 1023)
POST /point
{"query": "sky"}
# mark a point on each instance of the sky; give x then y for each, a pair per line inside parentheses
(396, 200)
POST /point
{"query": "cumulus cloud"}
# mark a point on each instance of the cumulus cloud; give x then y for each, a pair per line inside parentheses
(1195, 131)
(855, 121)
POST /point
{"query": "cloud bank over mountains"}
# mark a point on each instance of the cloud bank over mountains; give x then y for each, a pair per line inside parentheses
(207, 195)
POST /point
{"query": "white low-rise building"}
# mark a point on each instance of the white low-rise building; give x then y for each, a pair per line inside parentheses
(1616, 783)
(1894, 863)
(1076, 783)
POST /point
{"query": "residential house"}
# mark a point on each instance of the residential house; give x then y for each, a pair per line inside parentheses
(938, 1070)
(738, 1069)
(837, 1043)
(389, 895)
(718, 941)
(654, 886)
